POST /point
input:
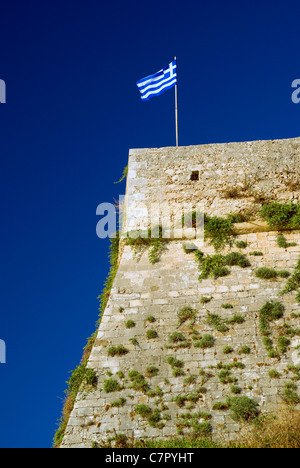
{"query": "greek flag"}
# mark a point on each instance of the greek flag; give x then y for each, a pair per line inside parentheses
(156, 84)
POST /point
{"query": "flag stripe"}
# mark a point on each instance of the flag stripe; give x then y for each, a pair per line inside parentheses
(157, 92)
(156, 77)
(150, 79)
(153, 86)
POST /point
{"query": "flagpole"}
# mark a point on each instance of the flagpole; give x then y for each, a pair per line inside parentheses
(176, 110)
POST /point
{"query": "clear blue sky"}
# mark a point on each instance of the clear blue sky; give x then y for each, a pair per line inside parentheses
(72, 113)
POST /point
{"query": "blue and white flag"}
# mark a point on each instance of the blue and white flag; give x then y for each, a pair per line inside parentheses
(156, 84)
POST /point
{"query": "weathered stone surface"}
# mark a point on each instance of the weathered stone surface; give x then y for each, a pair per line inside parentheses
(142, 289)
(231, 177)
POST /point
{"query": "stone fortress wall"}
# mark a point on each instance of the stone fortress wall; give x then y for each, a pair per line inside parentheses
(208, 175)
(223, 179)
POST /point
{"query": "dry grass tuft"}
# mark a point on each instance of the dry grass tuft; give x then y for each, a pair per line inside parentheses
(280, 431)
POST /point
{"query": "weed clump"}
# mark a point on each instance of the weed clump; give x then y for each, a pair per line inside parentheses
(173, 362)
(225, 377)
(274, 374)
(221, 405)
(206, 341)
(90, 377)
(119, 403)
(243, 408)
(283, 343)
(218, 231)
(143, 410)
(283, 273)
(245, 350)
(186, 313)
(236, 258)
(205, 299)
(152, 238)
(138, 381)
(293, 283)
(134, 341)
(282, 242)
(112, 385)
(281, 215)
(150, 319)
(151, 334)
(152, 371)
(269, 312)
(212, 266)
(176, 337)
(117, 351)
(241, 244)
(113, 257)
(191, 421)
(215, 321)
(81, 375)
(290, 394)
(235, 319)
(215, 266)
(227, 305)
(266, 273)
(130, 324)
(153, 417)
(256, 253)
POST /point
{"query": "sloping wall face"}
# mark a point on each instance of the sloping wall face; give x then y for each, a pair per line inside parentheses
(190, 345)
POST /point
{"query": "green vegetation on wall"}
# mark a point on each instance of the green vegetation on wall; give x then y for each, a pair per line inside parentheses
(215, 266)
(293, 283)
(150, 238)
(113, 260)
(219, 232)
(281, 215)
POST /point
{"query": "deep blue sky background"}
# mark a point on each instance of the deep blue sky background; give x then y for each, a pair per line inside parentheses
(72, 113)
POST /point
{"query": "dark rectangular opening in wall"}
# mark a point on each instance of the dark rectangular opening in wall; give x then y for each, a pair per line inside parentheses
(195, 175)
